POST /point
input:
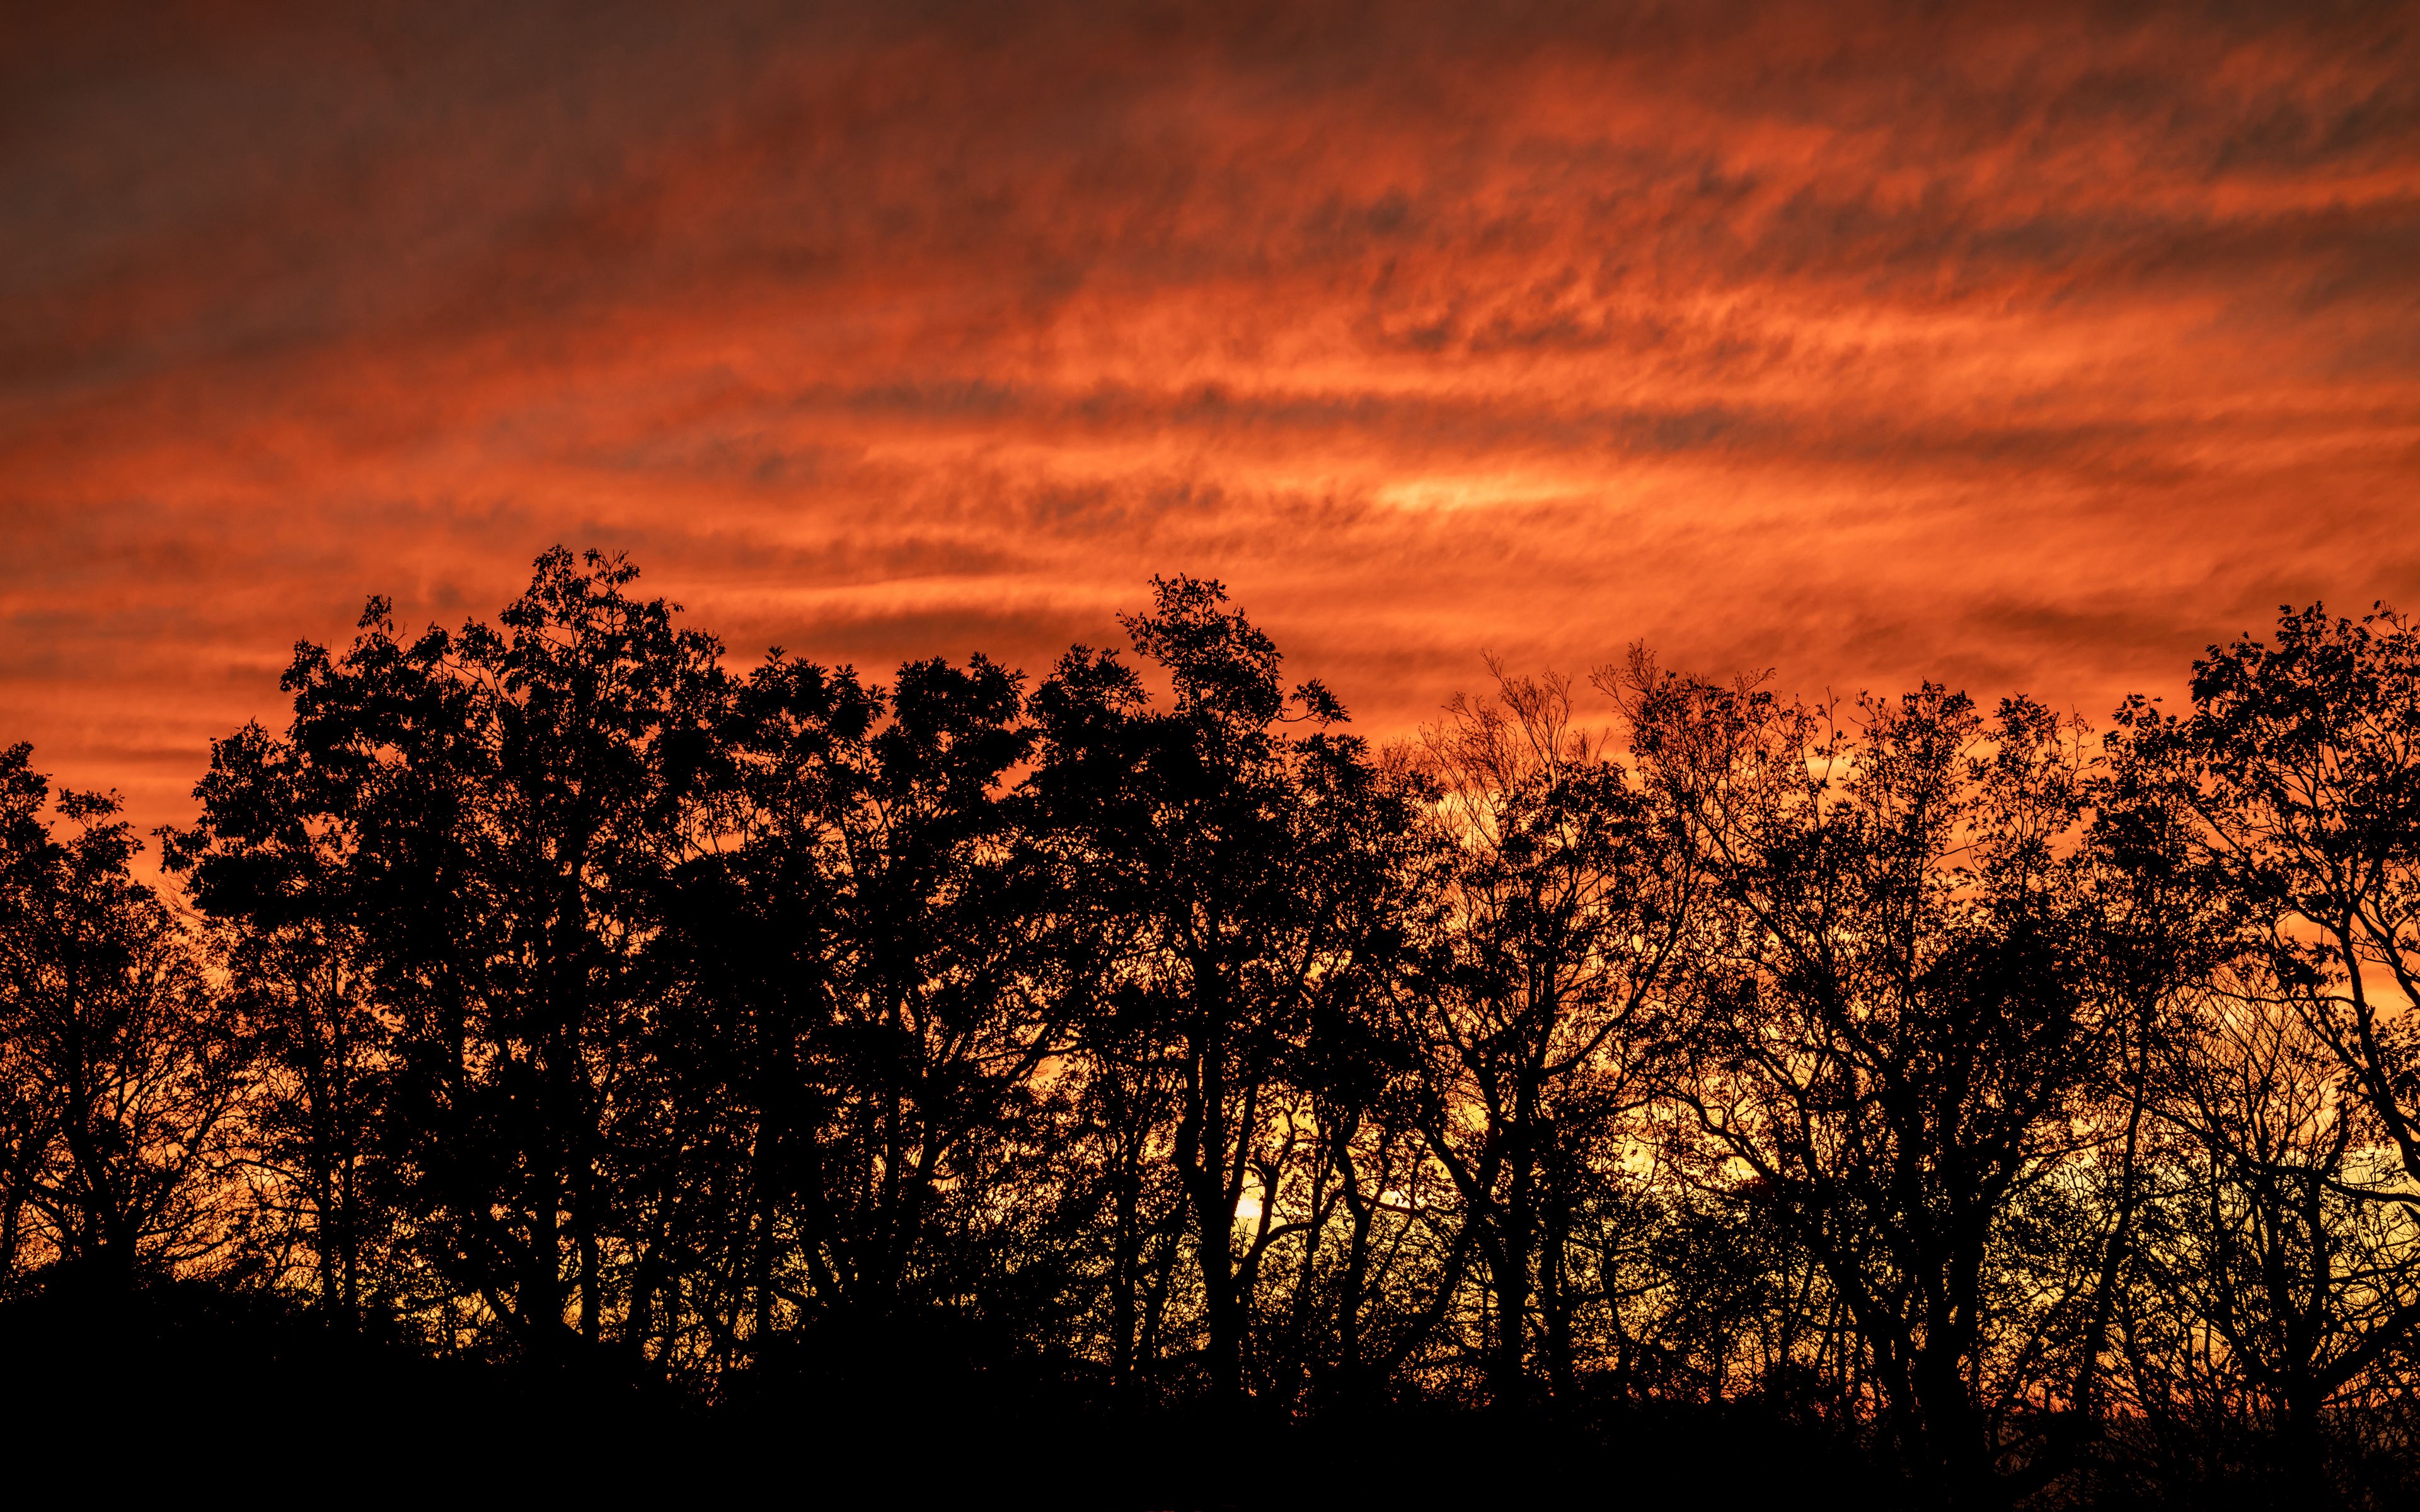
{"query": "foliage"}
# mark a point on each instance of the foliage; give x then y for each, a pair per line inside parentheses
(2033, 1118)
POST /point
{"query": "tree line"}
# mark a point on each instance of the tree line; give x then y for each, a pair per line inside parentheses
(2037, 1107)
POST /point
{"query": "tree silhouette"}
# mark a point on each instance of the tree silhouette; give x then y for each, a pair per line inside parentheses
(1240, 860)
(2302, 760)
(268, 859)
(585, 1034)
(124, 1080)
(1892, 1031)
(510, 799)
(1568, 914)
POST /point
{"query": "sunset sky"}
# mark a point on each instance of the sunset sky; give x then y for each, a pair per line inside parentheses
(1864, 343)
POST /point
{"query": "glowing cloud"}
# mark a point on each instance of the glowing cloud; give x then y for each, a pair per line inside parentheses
(1865, 342)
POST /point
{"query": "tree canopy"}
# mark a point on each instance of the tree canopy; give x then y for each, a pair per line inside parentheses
(2034, 1113)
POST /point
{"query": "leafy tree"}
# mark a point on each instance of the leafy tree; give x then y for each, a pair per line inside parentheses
(2302, 761)
(268, 860)
(507, 801)
(1241, 860)
(882, 976)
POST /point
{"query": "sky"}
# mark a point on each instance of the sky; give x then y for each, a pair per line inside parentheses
(2026, 349)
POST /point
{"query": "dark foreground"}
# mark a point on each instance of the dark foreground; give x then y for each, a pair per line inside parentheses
(189, 1390)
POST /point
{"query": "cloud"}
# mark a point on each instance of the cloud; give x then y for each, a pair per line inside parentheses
(1870, 342)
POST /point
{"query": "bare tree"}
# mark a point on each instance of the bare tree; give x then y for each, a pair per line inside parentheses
(2276, 1284)
(1891, 1042)
(1566, 909)
(126, 1073)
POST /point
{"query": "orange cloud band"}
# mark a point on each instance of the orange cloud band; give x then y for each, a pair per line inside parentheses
(1861, 341)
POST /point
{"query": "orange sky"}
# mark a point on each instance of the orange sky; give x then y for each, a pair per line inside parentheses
(1866, 342)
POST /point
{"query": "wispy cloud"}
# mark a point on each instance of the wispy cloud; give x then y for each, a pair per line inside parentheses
(1872, 342)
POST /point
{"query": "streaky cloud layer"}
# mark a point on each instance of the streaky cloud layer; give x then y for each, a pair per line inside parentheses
(2029, 350)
